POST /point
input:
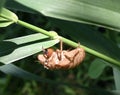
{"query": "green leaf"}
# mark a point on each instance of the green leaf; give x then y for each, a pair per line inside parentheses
(16, 71)
(116, 73)
(69, 90)
(28, 38)
(97, 12)
(7, 17)
(26, 51)
(5, 22)
(8, 46)
(96, 68)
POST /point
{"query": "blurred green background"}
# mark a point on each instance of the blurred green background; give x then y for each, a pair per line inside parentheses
(92, 75)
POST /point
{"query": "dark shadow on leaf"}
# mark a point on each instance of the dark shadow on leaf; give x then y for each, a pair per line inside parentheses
(7, 47)
(1, 64)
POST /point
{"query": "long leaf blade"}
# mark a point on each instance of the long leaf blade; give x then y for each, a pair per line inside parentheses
(89, 12)
(116, 73)
(96, 68)
(9, 45)
(28, 38)
(26, 51)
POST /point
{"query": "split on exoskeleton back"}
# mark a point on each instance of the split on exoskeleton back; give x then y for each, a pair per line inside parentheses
(62, 59)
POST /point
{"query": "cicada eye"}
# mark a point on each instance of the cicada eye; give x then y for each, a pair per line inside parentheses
(45, 51)
(48, 52)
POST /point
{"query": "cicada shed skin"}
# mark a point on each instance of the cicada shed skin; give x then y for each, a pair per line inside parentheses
(61, 59)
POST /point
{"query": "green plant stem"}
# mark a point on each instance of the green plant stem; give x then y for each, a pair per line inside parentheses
(69, 42)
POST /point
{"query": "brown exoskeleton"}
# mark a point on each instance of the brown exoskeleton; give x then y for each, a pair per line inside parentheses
(61, 59)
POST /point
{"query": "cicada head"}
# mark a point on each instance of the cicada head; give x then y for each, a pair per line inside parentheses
(48, 52)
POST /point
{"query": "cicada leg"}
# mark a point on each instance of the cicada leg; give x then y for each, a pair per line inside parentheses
(71, 59)
(59, 52)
